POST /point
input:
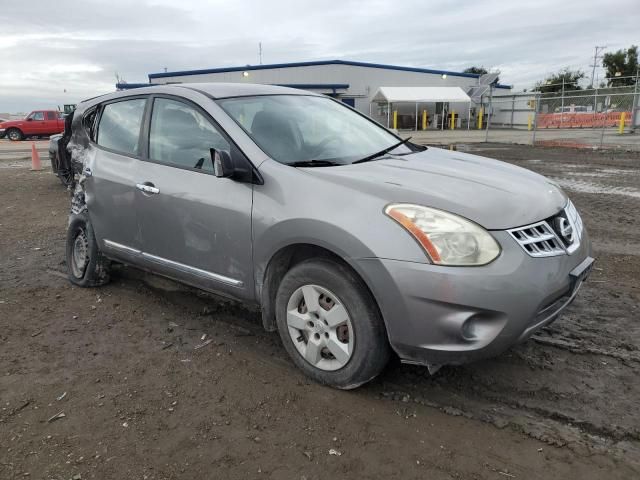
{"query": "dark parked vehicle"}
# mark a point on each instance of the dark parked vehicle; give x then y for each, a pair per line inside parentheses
(59, 156)
(352, 241)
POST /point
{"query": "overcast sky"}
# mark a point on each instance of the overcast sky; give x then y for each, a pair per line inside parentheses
(61, 51)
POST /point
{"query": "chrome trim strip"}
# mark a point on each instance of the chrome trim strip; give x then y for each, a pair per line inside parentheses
(576, 223)
(170, 263)
(545, 244)
(192, 270)
(123, 248)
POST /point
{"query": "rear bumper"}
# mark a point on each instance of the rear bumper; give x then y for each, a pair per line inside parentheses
(452, 315)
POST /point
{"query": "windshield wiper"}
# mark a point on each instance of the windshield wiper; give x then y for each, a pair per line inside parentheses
(382, 152)
(314, 163)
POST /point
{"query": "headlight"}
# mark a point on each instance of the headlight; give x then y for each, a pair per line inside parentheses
(447, 239)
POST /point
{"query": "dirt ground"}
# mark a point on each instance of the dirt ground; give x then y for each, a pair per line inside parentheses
(108, 383)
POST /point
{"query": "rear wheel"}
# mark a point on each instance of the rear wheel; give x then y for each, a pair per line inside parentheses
(86, 265)
(53, 157)
(330, 325)
(14, 134)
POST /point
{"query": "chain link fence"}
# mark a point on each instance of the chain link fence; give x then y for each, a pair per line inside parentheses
(582, 118)
(590, 118)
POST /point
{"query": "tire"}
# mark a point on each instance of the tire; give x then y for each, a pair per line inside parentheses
(86, 265)
(355, 332)
(14, 134)
(54, 162)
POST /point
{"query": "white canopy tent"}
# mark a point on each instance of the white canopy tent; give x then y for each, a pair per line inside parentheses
(418, 95)
(421, 95)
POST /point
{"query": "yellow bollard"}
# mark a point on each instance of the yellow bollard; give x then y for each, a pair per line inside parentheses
(530, 122)
(622, 118)
(395, 119)
(424, 119)
(480, 115)
(453, 120)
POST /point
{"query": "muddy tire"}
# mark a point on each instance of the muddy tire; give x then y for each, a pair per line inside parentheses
(14, 134)
(86, 265)
(330, 324)
(53, 158)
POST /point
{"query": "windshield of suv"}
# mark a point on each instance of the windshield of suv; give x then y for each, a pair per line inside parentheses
(299, 128)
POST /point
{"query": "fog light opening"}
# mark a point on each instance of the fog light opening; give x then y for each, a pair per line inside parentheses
(468, 330)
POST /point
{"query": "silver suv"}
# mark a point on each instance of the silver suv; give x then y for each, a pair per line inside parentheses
(353, 242)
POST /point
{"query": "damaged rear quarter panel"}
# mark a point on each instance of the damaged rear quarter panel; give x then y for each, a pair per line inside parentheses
(82, 153)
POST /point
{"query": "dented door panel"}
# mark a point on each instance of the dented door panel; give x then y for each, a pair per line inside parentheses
(197, 229)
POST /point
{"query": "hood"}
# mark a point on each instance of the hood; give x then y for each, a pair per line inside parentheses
(12, 123)
(494, 194)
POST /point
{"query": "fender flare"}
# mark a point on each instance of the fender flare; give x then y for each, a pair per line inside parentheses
(311, 234)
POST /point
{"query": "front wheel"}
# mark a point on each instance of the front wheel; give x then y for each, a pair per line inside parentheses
(14, 135)
(330, 325)
(87, 266)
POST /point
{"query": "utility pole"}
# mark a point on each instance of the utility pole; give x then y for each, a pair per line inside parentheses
(596, 57)
(260, 52)
(562, 107)
(634, 108)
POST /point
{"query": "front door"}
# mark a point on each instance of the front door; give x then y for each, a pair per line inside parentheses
(195, 226)
(38, 124)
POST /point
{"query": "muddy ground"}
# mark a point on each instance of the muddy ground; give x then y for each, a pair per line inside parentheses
(107, 383)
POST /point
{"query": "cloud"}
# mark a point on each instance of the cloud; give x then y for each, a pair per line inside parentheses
(63, 51)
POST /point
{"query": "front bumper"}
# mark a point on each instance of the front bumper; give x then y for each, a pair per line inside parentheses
(439, 315)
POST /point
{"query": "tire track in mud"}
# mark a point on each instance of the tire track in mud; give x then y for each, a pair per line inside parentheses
(456, 392)
(573, 385)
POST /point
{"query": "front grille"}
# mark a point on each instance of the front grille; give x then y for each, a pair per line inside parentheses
(558, 235)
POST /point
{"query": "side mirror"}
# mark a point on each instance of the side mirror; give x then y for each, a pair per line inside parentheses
(223, 166)
(29, 119)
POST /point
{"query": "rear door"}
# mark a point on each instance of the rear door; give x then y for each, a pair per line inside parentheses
(51, 122)
(195, 226)
(111, 168)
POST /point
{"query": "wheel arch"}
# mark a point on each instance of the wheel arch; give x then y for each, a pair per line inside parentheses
(282, 260)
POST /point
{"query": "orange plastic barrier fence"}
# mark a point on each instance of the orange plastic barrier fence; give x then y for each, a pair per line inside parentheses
(580, 120)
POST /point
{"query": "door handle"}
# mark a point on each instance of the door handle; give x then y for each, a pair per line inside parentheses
(148, 188)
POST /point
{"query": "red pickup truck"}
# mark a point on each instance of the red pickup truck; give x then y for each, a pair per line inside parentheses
(37, 123)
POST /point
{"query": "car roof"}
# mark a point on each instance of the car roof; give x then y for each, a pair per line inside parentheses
(213, 90)
(225, 90)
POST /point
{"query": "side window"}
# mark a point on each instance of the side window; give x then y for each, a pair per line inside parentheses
(181, 136)
(119, 127)
(51, 115)
(37, 115)
(89, 123)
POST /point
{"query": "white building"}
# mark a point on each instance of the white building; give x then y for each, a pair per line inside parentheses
(355, 83)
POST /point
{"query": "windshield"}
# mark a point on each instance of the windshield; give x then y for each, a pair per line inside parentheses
(300, 128)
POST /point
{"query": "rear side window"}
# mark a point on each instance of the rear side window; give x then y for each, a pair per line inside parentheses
(51, 115)
(89, 123)
(119, 127)
(181, 136)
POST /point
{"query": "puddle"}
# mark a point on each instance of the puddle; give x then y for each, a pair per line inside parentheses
(14, 165)
(589, 187)
(619, 171)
